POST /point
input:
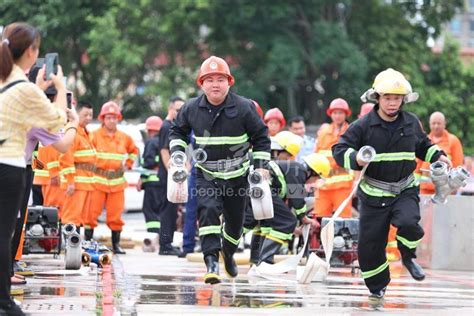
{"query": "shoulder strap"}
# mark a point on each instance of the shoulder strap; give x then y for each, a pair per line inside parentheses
(11, 84)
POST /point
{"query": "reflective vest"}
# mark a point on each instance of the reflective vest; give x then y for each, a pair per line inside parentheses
(115, 153)
(339, 177)
(81, 152)
(49, 160)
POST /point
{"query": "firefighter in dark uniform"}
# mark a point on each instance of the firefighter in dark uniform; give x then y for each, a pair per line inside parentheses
(288, 180)
(225, 126)
(150, 182)
(388, 193)
(169, 211)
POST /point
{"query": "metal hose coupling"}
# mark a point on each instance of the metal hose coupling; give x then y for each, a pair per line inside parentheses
(255, 179)
(366, 154)
(69, 229)
(178, 160)
(200, 155)
(446, 182)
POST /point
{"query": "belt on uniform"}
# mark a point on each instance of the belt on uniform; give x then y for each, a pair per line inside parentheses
(392, 187)
(224, 165)
(109, 174)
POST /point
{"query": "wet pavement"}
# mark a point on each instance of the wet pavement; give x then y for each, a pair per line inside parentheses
(141, 283)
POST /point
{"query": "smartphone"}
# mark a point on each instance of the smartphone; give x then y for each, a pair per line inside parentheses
(51, 61)
(69, 100)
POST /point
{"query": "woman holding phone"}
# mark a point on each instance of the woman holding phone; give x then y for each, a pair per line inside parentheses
(23, 106)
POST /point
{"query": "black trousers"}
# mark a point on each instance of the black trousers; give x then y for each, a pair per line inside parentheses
(12, 187)
(23, 209)
(152, 204)
(218, 197)
(168, 214)
(402, 212)
(283, 221)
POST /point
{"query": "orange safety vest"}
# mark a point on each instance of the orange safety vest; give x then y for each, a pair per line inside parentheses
(71, 164)
(49, 159)
(452, 146)
(114, 152)
(339, 177)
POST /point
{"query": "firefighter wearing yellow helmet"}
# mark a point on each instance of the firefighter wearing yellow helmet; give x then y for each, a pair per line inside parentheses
(288, 179)
(388, 193)
(285, 145)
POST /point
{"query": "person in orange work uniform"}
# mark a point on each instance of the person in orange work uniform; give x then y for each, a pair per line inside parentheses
(116, 153)
(76, 171)
(339, 183)
(48, 177)
(448, 142)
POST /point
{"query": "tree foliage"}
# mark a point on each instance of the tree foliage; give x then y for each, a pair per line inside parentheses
(295, 55)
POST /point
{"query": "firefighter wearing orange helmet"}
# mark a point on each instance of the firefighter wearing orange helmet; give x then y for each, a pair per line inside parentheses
(225, 127)
(275, 121)
(338, 185)
(388, 193)
(116, 153)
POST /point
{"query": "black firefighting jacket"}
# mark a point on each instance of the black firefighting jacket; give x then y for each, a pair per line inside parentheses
(395, 153)
(287, 181)
(151, 160)
(228, 134)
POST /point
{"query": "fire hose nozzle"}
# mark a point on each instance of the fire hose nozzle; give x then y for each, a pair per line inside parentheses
(69, 229)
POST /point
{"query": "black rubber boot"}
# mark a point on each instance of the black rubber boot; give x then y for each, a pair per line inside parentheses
(255, 244)
(116, 243)
(212, 264)
(414, 268)
(88, 233)
(228, 251)
(268, 250)
(10, 308)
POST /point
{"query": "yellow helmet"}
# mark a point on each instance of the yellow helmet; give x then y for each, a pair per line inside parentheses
(318, 163)
(391, 81)
(288, 141)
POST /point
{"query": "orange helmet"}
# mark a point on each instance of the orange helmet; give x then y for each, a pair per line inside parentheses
(259, 108)
(338, 104)
(110, 107)
(365, 109)
(214, 65)
(153, 123)
(275, 114)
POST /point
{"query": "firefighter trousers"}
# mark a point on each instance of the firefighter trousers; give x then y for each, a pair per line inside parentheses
(168, 214)
(152, 204)
(76, 208)
(403, 212)
(218, 197)
(113, 202)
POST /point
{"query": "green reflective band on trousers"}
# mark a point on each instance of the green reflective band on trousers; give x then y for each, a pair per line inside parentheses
(280, 235)
(281, 178)
(226, 175)
(110, 156)
(347, 158)
(265, 230)
(373, 191)
(41, 173)
(394, 156)
(152, 178)
(178, 142)
(299, 211)
(230, 239)
(371, 273)
(221, 140)
(392, 244)
(409, 244)
(110, 182)
(262, 155)
(207, 230)
(154, 224)
(431, 151)
(66, 171)
(85, 153)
